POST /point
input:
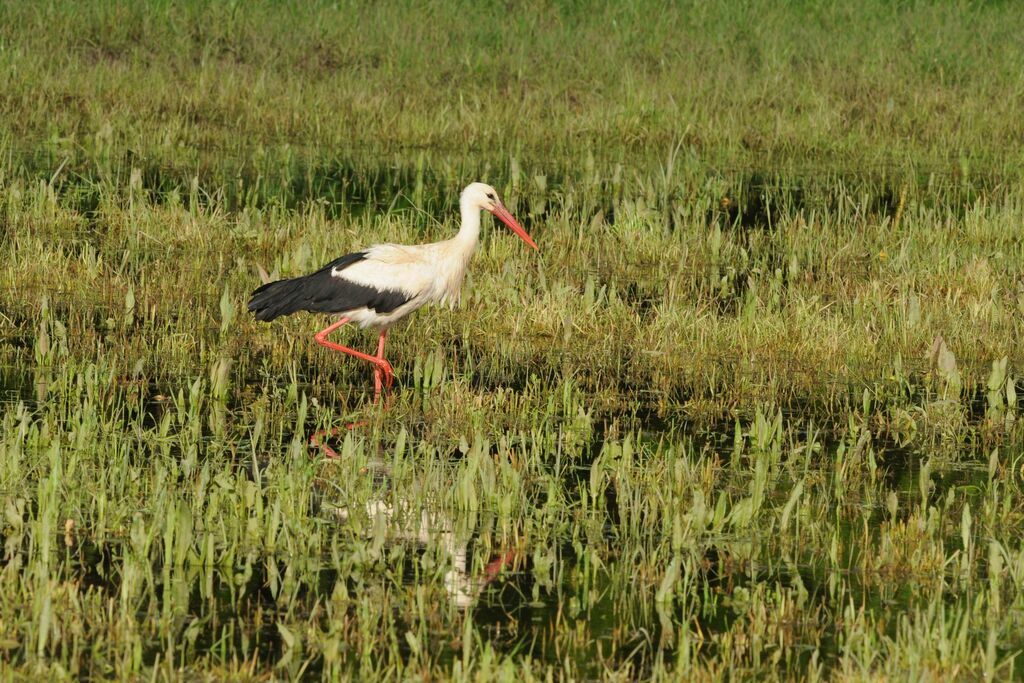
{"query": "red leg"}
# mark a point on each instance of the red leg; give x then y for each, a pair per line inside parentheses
(381, 366)
(495, 566)
(381, 371)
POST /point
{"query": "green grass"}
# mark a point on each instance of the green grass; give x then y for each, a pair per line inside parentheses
(751, 412)
(860, 84)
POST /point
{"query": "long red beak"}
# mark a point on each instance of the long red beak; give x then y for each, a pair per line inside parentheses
(502, 213)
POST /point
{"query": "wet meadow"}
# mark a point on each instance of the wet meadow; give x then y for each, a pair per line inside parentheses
(751, 411)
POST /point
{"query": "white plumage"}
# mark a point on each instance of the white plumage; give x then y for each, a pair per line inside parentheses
(426, 273)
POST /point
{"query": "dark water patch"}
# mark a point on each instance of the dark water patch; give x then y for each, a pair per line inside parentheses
(757, 202)
(237, 613)
(360, 179)
(505, 373)
(285, 177)
(17, 384)
(887, 201)
(94, 566)
(640, 299)
(903, 468)
(900, 465)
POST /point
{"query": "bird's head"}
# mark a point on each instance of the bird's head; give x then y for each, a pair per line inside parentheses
(483, 197)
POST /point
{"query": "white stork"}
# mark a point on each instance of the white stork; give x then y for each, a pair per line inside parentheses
(384, 283)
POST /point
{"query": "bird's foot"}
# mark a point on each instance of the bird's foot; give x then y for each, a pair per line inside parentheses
(383, 378)
(384, 368)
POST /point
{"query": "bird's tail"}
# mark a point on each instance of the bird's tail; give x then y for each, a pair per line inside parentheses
(275, 299)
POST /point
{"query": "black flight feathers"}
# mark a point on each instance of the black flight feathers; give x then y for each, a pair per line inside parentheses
(321, 292)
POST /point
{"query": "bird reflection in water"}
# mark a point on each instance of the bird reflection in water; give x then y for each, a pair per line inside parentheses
(429, 527)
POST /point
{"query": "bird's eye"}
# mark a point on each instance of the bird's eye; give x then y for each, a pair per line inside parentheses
(490, 195)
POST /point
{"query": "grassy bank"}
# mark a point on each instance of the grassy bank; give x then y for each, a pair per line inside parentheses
(855, 83)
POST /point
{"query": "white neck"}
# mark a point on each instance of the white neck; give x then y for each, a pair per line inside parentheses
(456, 253)
(469, 233)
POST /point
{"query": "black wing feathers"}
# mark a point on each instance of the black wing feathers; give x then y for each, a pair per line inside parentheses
(321, 292)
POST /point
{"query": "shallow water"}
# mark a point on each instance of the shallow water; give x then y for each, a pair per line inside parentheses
(519, 599)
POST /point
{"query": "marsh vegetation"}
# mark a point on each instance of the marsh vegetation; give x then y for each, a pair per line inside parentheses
(752, 411)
